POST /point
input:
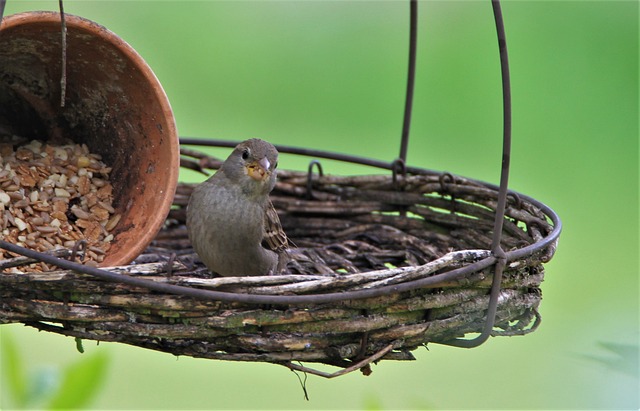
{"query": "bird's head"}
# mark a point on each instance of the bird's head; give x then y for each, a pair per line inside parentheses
(253, 164)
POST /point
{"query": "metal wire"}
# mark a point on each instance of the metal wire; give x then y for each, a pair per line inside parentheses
(348, 158)
(497, 251)
(408, 105)
(63, 58)
(427, 282)
(312, 164)
(2, 4)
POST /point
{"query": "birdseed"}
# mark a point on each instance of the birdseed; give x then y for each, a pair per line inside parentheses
(52, 196)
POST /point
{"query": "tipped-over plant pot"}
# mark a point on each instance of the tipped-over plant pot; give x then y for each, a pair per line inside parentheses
(113, 103)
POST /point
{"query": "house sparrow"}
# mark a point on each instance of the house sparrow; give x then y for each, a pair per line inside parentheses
(231, 222)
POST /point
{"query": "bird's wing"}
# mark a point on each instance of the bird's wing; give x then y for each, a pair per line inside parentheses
(274, 236)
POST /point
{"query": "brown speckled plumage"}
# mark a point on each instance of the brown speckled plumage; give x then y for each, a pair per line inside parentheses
(230, 218)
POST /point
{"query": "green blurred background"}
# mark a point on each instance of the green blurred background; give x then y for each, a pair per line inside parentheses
(331, 75)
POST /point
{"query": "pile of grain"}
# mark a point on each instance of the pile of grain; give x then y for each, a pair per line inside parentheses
(52, 196)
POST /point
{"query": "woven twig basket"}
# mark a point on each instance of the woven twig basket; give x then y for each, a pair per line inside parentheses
(371, 234)
(384, 264)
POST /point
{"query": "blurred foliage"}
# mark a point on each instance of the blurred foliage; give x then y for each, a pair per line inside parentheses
(621, 358)
(72, 386)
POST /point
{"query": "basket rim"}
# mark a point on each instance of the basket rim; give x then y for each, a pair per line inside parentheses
(512, 255)
(321, 298)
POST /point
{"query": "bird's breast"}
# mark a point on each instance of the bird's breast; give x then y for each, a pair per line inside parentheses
(226, 214)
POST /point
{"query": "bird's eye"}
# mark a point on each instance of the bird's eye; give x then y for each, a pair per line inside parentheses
(245, 154)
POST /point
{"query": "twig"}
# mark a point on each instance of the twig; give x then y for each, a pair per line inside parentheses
(344, 371)
(20, 261)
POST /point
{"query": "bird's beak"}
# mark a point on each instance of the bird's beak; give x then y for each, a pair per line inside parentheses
(259, 171)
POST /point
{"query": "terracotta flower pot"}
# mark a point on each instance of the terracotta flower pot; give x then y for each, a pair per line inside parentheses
(114, 104)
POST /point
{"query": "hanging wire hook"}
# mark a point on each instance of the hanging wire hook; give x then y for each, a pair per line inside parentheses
(496, 249)
(79, 247)
(447, 179)
(517, 201)
(398, 166)
(312, 164)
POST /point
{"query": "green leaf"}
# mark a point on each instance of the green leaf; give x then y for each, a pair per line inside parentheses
(79, 346)
(622, 358)
(12, 368)
(81, 381)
